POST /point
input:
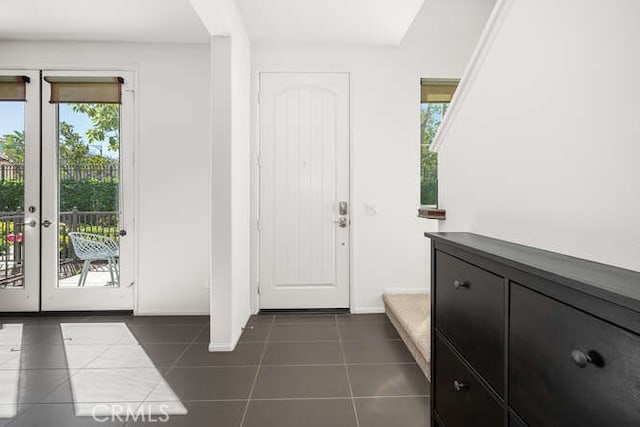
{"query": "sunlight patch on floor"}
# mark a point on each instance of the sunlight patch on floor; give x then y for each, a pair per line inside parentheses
(114, 372)
(10, 345)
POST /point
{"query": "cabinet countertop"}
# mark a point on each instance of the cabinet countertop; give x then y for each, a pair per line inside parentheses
(616, 285)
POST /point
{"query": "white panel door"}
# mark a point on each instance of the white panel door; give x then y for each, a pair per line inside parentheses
(304, 190)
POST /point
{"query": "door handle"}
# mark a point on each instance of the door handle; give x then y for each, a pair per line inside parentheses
(31, 223)
(46, 223)
(342, 222)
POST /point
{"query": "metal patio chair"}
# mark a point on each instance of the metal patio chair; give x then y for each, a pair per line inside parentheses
(94, 247)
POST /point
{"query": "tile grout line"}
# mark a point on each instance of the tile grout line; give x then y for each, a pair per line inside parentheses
(68, 369)
(269, 399)
(126, 423)
(278, 365)
(169, 369)
(193, 341)
(67, 381)
(261, 363)
(346, 369)
(255, 378)
(322, 341)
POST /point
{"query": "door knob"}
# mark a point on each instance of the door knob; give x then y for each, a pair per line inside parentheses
(31, 223)
(581, 358)
(46, 223)
(342, 222)
(459, 385)
(460, 284)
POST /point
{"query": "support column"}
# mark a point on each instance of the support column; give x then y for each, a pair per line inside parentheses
(221, 279)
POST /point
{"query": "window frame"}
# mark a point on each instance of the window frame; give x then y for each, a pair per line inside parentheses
(425, 82)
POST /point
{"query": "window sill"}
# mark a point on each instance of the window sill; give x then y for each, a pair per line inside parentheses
(432, 213)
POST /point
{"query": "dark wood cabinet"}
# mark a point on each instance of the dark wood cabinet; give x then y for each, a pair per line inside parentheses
(462, 399)
(472, 314)
(526, 337)
(567, 358)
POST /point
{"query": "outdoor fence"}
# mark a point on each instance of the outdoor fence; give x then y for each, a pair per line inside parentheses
(13, 239)
(11, 249)
(15, 172)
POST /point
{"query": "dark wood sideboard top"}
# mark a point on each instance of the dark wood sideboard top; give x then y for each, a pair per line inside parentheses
(613, 284)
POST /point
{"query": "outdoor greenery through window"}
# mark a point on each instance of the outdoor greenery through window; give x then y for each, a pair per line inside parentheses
(435, 96)
(12, 126)
(89, 154)
(89, 189)
(89, 184)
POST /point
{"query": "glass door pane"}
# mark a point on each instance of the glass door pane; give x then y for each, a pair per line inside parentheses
(12, 194)
(19, 194)
(88, 195)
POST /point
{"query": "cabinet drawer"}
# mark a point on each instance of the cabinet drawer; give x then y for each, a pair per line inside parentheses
(460, 399)
(552, 383)
(470, 313)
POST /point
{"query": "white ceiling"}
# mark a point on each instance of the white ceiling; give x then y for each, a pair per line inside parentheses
(329, 21)
(111, 20)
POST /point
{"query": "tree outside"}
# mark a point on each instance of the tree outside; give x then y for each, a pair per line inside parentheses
(76, 151)
(88, 161)
(88, 165)
(12, 146)
(430, 118)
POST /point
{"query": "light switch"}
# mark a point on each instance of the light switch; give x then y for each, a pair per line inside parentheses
(370, 210)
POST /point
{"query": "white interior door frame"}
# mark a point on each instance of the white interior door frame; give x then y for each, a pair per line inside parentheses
(259, 196)
(67, 299)
(28, 297)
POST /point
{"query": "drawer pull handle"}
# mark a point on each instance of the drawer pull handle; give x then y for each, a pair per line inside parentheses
(460, 284)
(459, 385)
(581, 359)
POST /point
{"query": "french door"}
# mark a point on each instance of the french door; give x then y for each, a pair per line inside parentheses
(19, 190)
(76, 234)
(304, 190)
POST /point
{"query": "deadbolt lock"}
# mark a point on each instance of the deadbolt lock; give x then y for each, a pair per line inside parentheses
(343, 208)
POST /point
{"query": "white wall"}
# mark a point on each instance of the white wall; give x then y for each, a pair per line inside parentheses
(172, 104)
(388, 249)
(230, 237)
(545, 148)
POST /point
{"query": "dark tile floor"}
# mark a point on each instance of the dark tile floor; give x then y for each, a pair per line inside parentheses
(288, 370)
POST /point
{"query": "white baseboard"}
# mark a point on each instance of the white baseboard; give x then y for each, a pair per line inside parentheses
(368, 310)
(409, 291)
(171, 313)
(222, 347)
(225, 346)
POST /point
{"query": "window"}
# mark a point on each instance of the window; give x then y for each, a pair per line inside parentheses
(435, 96)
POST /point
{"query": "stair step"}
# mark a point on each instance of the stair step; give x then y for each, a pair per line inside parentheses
(411, 316)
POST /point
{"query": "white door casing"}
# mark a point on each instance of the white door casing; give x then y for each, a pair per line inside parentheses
(55, 298)
(304, 175)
